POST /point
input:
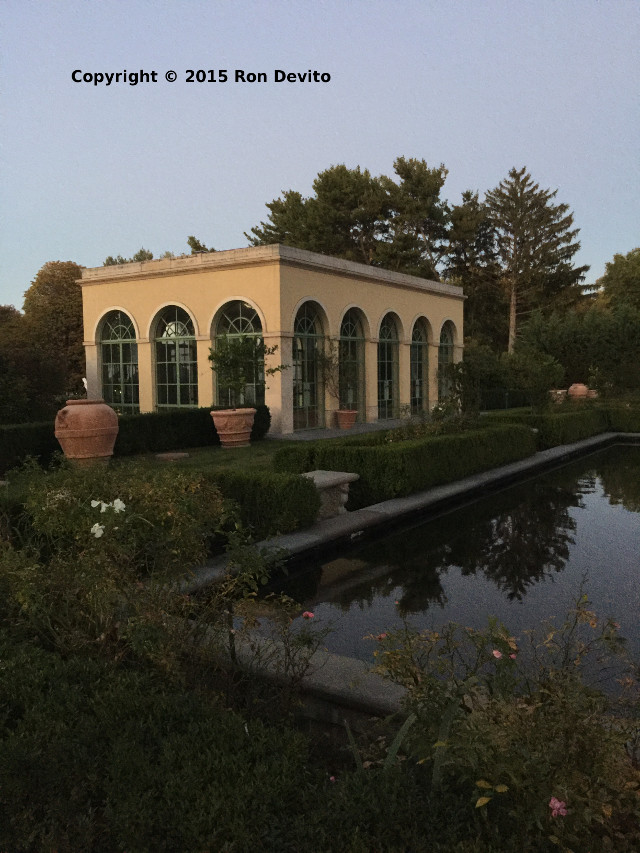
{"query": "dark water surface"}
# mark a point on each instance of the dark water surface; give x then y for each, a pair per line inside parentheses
(519, 555)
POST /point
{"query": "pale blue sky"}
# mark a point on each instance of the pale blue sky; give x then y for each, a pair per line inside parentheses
(480, 86)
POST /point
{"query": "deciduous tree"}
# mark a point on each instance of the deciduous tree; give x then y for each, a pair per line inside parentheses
(53, 320)
(621, 281)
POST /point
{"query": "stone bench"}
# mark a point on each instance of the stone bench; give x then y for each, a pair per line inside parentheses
(334, 490)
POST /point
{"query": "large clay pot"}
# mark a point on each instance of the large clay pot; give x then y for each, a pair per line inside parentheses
(346, 418)
(234, 426)
(577, 390)
(87, 430)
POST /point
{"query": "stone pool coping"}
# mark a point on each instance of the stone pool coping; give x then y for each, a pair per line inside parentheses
(337, 684)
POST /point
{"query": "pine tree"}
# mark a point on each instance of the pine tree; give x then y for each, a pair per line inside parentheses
(535, 242)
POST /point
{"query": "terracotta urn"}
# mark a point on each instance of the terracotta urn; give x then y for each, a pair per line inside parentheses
(578, 390)
(86, 431)
(234, 426)
(346, 418)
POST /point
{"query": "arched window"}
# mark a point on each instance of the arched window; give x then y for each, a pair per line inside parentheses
(119, 359)
(388, 369)
(445, 358)
(176, 359)
(308, 393)
(351, 363)
(420, 367)
(238, 319)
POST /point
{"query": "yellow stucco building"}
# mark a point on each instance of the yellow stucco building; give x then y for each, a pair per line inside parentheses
(148, 328)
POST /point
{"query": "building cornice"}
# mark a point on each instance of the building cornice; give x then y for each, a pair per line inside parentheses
(261, 255)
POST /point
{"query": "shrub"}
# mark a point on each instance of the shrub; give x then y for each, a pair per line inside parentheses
(153, 432)
(100, 758)
(17, 441)
(623, 418)
(561, 428)
(517, 729)
(270, 503)
(393, 470)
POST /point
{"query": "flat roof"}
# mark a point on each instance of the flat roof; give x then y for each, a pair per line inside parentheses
(256, 255)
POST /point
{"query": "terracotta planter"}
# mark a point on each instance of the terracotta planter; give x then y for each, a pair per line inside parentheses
(578, 390)
(346, 418)
(86, 431)
(234, 426)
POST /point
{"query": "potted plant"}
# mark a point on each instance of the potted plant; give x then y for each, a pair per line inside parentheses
(234, 360)
(329, 362)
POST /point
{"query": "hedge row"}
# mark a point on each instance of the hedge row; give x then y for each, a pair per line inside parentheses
(561, 428)
(623, 419)
(394, 470)
(153, 432)
(270, 503)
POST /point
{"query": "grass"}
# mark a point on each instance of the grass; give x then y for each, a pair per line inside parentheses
(257, 456)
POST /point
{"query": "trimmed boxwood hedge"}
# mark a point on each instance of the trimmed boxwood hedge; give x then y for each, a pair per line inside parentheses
(623, 419)
(394, 470)
(153, 432)
(270, 503)
(560, 428)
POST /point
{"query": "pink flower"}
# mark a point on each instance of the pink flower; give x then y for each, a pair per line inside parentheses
(513, 656)
(558, 807)
(307, 614)
(496, 654)
(332, 778)
(381, 637)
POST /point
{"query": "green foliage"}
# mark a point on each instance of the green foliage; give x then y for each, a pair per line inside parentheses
(621, 281)
(102, 759)
(623, 418)
(196, 246)
(535, 242)
(236, 361)
(17, 441)
(29, 379)
(153, 432)
(600, 348)
(562, 428)
(405, 467)
(396, 224)
(270, 503)
(471, 261)
(536, 374)
(141, 255)
(508, 724)
(53, 322)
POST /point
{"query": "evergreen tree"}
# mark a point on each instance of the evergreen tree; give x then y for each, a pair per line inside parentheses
(535, 242)
(471, 261)
(141, 255)
(418, 216)
(398, 225)
(196, 246)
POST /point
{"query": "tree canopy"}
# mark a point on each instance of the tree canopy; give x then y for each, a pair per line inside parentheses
(396, 224)
(53, 319)
(621, 281)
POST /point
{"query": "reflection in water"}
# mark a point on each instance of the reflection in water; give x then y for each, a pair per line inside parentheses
(518, 555)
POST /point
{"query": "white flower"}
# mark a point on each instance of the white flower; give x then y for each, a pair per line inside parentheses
(94, 504)
(103, 506)
(98, 530)
(118, 505)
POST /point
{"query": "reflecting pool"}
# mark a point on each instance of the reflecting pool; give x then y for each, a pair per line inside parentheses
(520, 555)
